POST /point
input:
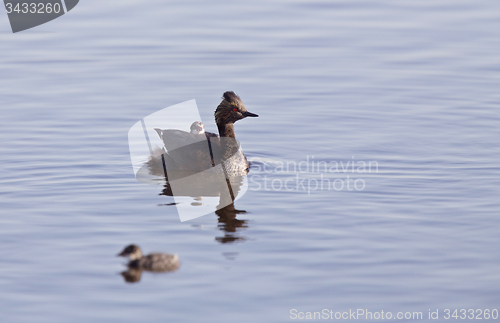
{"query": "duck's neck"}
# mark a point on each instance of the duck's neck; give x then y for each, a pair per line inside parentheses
(228, 141)
(226, 130)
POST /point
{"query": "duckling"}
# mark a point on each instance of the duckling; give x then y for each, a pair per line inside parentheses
(188, 152)
(197, 128)
(158, 262)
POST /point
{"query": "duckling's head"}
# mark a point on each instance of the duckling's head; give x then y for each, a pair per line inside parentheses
(231, 109)
(133, 252)
(197, 128)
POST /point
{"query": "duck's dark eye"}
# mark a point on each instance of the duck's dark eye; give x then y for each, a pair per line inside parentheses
(235, 109)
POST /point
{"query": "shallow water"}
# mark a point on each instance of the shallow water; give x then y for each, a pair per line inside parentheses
(410, 87)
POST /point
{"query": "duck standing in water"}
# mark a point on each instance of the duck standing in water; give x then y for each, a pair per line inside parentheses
(188, 152)
(157, 262)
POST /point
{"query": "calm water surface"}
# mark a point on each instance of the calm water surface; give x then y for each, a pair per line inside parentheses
(411, 87)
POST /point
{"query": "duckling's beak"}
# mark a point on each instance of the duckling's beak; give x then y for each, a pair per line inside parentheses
(121, 254)
(249, 114)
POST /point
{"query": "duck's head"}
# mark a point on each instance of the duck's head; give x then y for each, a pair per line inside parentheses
(197, 128)
(133, 252)
(231, 109)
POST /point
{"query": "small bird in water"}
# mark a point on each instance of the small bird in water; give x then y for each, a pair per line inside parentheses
(224, 148)
(157, 262)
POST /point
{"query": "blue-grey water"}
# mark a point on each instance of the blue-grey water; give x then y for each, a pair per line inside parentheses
(411, 87)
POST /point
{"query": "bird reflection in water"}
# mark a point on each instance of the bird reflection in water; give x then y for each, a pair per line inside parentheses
(226, 211)
(230, 224)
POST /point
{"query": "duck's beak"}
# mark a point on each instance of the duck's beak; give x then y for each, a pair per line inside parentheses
(249, 114)
(121, 254)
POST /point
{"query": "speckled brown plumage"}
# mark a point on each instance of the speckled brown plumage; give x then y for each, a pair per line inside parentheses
(158, 262)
